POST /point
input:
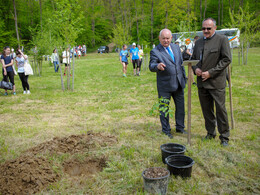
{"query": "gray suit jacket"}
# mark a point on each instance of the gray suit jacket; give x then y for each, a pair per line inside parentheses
(174, 74)
(214, 55)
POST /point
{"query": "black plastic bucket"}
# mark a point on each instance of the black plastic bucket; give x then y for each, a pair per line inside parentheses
(172, 149)
(180, 165)
(157, 185)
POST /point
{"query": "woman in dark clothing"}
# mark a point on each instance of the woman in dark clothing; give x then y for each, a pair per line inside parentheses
(8, 71)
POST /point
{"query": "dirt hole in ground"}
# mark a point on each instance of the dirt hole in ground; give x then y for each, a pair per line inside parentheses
(29, 173)
(88, 167)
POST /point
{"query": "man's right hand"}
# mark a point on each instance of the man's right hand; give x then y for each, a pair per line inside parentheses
(161, 66)
(5, 73)
(198, 72)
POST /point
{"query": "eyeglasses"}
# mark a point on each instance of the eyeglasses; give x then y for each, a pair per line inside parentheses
(203, 28)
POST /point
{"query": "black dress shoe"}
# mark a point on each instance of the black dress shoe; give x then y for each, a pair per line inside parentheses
(181, 132)
(224, 143)
(208, 137)
(169, 135)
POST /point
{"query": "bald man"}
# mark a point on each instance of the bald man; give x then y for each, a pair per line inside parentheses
(166, 61)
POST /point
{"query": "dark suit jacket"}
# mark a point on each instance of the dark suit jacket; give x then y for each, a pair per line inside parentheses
(174, 74)
(214, 55)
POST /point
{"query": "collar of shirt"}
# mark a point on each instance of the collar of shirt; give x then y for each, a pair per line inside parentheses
(165, 48)
(210, 37)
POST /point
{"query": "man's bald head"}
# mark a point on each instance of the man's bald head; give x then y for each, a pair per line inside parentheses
(165, 37)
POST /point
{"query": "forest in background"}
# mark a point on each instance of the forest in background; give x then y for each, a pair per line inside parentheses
(58, 23)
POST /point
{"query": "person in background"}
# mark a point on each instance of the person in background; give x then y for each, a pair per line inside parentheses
(166, 61)
(20, 60)
(7, 64)
(55, 60)
(189, 51)
(135, 58)
(141, 54)
(123, 59)
(66, 60)
(79, 53)
(213, 51)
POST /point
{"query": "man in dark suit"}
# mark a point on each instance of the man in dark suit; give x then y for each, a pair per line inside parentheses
(214, 54)
(166, 61)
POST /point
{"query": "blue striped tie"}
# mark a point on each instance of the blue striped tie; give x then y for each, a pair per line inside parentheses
(171, 54)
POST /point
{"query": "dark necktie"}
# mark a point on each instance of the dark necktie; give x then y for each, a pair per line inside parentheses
(171, 54)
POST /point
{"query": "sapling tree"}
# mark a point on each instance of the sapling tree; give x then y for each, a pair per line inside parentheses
(248, 24)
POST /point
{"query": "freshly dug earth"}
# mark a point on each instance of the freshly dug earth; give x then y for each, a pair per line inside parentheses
(74, 143)
(29, 173)
(155, 172)
(26, 175)
(88, 167)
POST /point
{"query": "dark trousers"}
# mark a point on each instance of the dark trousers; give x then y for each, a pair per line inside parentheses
(178, 97)
(140, 63)
(9, 75)
(24, 79)
(209, 97)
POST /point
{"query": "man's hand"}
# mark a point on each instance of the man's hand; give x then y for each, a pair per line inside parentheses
(161, 66)
(205, 76)
(5, 73)
(198, 72)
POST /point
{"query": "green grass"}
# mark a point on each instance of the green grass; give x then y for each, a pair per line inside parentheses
(104, 101)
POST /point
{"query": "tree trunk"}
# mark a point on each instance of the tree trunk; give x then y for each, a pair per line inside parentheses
(40, 3)
(73, 68)
(247, 50)
(93, 24)
(112, 13)
(16, 26)
(166, 15)
(126, 26)
(200, 12)
(205, 9)
(222, 8)
(218, 12)
(142, 11)
(120, 9)
(152, 22)
(137, 29)
(188, 6)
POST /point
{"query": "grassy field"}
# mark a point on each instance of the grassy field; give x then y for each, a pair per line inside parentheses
(105, 102)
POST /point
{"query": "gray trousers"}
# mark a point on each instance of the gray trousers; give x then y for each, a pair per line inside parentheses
(209, 97)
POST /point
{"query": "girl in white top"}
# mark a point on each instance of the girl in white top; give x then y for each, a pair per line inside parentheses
(20, 60)
(140, 53)
(66, 60)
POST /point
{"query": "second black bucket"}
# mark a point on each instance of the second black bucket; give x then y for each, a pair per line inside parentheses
(180, 165)
(172, 149)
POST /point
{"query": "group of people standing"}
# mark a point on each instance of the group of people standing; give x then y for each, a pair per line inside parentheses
(8, 69)
(136, 56)
(66, 60)
(213, 52)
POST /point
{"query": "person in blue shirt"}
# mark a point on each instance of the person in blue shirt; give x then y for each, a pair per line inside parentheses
(134, 53)
(7, 64)
(123, 59)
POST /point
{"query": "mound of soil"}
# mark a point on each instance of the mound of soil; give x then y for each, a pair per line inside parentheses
(88, 167)
(155, 172)
(29, 174)
(74, 143)
(26, 175)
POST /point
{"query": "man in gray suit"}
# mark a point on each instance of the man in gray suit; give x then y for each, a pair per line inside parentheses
(214, 54)
(166, 61)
